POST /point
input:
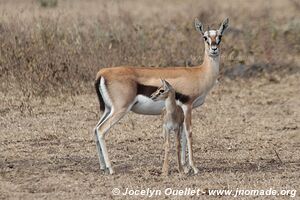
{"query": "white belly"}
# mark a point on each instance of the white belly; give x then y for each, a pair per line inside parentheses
(147, 106)
(199, 101)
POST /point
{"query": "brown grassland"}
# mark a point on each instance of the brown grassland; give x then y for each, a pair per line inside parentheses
(246, 135)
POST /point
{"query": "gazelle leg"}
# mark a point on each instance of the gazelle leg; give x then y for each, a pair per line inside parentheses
(187, 127)
(190, 150)
(183, 136)
(183, 150)
(178, 146)
(99, 150)
(165, 169)
(100, 154)
(183, 147)
(113, 118)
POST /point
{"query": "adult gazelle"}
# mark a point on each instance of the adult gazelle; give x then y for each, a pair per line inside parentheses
(126, 88)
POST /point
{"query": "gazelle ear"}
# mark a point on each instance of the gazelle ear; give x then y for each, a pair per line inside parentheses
(224, 26)
(199, 26)
(163, 82)
(168, 85)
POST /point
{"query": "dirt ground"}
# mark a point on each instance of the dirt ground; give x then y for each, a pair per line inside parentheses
(246, 136)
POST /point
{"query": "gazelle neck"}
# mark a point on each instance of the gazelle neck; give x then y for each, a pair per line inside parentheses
(211, 61)
(211, 65)
(170, 102)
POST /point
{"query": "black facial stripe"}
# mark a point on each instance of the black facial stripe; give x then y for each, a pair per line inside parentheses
(147, 90)
(219, 39)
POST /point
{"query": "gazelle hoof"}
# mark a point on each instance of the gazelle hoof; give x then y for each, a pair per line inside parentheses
(103, 168)
(180, 169)
(110, 170)
(196, 170)
(165, 173)
(186, 169)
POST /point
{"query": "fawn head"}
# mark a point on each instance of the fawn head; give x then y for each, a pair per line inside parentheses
(162, 92)
(212, 38)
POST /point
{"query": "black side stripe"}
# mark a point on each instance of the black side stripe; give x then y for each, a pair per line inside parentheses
(147, 90)
(182, 97)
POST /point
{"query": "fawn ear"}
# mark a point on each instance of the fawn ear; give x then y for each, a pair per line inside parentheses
(163, 82)
(168, 85)
(199, 26)
(224, 26)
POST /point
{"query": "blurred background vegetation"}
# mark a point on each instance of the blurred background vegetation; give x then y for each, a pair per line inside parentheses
(53, 47)
(48, 3)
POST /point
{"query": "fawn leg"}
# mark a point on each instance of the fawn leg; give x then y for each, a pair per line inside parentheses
(178, 147)
(165, 169)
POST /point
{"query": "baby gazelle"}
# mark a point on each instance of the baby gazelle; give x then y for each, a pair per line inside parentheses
(173, 118)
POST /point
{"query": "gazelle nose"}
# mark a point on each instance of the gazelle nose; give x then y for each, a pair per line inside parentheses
(214, 48)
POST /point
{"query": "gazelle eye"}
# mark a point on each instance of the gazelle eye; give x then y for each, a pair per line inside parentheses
(205, 38)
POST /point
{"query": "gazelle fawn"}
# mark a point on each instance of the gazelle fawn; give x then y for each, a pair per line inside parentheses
(173, 118)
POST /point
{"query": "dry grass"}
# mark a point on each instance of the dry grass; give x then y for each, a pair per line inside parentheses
(59, 50)
(51, 154)
(48, 60)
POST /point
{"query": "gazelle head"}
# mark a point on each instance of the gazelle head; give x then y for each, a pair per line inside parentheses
(162, 92)
(212, 38)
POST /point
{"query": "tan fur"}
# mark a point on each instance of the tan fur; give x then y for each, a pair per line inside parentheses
(173, 118)
(122, 82)
(189, 81)
(121, 85)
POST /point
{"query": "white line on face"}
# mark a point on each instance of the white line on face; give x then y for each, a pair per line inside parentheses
(209, 34)
(212, 33)
(217, 40)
